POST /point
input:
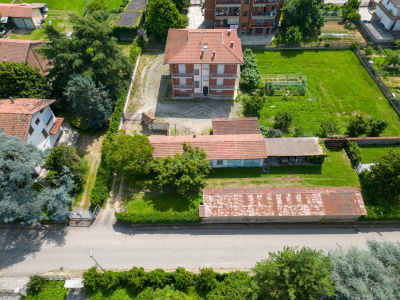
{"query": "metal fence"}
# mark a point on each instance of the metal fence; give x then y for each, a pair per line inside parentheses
(374, 74)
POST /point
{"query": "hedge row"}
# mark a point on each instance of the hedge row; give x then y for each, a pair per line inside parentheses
(353, 152)
(159, 217)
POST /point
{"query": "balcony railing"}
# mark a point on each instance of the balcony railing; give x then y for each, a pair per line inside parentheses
(263, 15)
(225, 2)
(223, 87)
(183, 87)
(225, 75)
(225, 13)
(265, 1)
(219, 25)
(182, 75)
(262, 25)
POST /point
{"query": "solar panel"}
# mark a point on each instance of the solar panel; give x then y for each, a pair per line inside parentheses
(129, 18)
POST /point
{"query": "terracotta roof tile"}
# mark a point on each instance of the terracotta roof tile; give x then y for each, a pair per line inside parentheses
(17, 10)
(235, 126)
(250, 146)
(185, 46)
(15, 50)
(147, 118)
(274, 202)
(15, 118)
(56, 127)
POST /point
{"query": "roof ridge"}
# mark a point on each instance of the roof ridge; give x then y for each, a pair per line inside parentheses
(187, 43)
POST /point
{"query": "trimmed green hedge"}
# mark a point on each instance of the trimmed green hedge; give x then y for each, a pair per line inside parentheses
(353, 152)
(159, 217)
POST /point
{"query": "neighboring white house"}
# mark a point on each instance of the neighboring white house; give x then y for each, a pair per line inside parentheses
(388, 13)
(32, 120)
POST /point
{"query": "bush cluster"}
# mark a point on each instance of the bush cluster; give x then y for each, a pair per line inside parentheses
(270, 132)
(353, 152)
(252, 105)
(359, 125)
(135, 50)
(159, 217)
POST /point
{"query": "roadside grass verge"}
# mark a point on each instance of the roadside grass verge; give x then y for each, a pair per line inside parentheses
(338, 86)
(336, 171)
(372, 153)
(52, 289)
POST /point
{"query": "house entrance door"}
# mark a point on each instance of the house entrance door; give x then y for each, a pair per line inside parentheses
(205, 90)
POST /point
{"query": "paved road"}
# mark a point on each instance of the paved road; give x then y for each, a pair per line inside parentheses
(24, 252)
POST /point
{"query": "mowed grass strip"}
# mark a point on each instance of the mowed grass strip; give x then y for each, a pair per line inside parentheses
(336, 171)
(70, 5)
(372, 154)
(338, 87)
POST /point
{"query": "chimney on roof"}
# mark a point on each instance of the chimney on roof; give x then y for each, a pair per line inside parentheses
(12, 100)
(213, 54)
(202, 52)
(229, 32)
(194, 136)
(231, 44)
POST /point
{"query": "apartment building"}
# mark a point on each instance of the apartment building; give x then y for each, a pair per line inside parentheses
(247, 16)
(204, 62)
(388, 13)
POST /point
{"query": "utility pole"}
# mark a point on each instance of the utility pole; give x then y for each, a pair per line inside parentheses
(91, 255)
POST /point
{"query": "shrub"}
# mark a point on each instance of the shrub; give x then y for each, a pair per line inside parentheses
(396, 43)
(135, 50)
(379, 49)
(293, 35)
(270, 132)
(283, 119)
(35, 283)
(327, 128)
(109, 281)
(137, 279)
(182, 279)
(237, 285)
(159, 217)
(158, 278)
(252, 105)
(206, 280)
(336, 8)
(368, 51)
(376, 127)
(357, 126)
(327, 8)
(355, 45)
(353, 152)
(354, 17)
(92, 280)
(298, 131)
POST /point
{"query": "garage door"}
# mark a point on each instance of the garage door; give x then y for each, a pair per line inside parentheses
(29, 23)
(19, 22)
(259, 31)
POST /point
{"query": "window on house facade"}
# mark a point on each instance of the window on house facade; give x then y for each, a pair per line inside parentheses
(220, 162)
(37, 121)
(205, 77)
(45, 134)
(197, 84)
(219, 91)
(243, 25)
(245, 13)
(205, 67)
(31, 130)
(47, 117)
(41, 111)
(246, 1)
(196, 71)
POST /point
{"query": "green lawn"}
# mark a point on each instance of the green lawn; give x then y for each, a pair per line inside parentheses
(52, 289)
(70, 5)
(371, 154)
(336, 171)
(338, 86)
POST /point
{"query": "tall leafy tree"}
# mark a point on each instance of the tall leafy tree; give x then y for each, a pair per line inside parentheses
(250, 74)
(163, 15)
(181, 4)
(95, 5)
(294, 274)
(382, 182)
(65, 156)
(304, 14)
(21, 81)
(367, 274)
(182, 172)
(19, 198)
(350, 8)
(129, 155)
(89, 102)
(90, 51)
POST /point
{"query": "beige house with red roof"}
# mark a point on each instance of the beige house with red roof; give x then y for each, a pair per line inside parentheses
(204, 62)
(32, 120)
(22, 15)
(23, 51)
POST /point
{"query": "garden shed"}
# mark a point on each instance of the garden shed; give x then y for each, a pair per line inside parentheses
(293, 151)
(318, 204)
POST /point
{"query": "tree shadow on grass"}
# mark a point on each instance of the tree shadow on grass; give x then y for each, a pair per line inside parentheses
(172, 201)
(17, 244)
(291, 53)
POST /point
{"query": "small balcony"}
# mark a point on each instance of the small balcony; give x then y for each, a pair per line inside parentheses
(223, 87)
(219, 25)
(182, 75)
(265, 1)
(183, 87)
(228, 2)
(225, 75)
(227, 13)
(258, 15)
(269, 25)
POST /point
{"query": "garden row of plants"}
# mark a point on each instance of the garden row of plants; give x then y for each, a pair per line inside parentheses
(288, 274)
(159, 217)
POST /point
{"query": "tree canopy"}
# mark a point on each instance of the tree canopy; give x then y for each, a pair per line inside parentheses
(20, 80)
(163, 15)
(182, 172)
(96, 5)
(65, 156)
(304, 14)
(350, 9)
(90, 51)
(181, 4)
(129, 155)
(293, 274)
(250, 74)
(88, 102)
(22, 198)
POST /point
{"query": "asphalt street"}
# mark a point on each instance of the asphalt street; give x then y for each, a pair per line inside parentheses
(24, 252)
